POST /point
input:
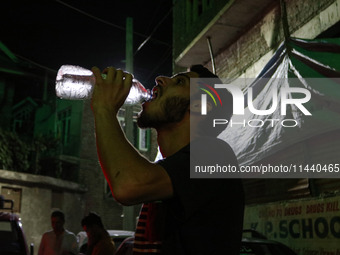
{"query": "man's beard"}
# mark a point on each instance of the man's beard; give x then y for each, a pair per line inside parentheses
(172, 110)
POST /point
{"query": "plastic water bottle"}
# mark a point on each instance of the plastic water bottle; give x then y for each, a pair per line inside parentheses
(76, 83)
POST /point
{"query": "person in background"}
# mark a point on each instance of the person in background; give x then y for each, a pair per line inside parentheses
(99, 241)
(58, 241)
(2, 201)
(181, 215)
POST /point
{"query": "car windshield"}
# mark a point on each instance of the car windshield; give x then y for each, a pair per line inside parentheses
(7, 232)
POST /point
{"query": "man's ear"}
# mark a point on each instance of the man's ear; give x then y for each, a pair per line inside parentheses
(196, 106)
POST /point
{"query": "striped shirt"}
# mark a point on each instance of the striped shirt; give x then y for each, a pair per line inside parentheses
(148, 231)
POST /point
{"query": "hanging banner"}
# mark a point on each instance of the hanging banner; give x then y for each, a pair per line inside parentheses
(309, 227)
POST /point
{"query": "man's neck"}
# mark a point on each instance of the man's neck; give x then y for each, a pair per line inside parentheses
(60, 232)
(172, 138)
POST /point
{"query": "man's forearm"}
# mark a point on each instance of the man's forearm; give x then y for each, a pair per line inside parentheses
(121, 163)
(132, 178)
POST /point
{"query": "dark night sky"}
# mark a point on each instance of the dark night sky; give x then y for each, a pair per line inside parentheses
(52, 34)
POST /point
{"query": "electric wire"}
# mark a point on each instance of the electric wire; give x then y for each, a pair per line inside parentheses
(108, 23)
(166, 55)
(123, 28)
(154, 30)
(139, 34)
(36, 64)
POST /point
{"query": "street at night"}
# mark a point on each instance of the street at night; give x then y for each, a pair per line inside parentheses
(234, 148)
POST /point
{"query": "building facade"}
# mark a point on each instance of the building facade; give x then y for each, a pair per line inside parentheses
(236, 39)
(48, 157)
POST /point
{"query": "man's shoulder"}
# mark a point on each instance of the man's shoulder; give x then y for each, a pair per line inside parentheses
(209, 141)
(105, 244)
(204, 143)
(107, 241)
(210, 146)
(69, 233)
(203, 147)
(48, 233)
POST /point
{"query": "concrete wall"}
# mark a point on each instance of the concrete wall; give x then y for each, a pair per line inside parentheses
(40, 195)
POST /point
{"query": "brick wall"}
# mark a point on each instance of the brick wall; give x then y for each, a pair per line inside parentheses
(251, 51)
(247, 56)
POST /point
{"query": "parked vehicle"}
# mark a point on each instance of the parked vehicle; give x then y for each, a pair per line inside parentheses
(12, 237)
(254, 244)
(118, 236)
(126, 247)
(258, 244)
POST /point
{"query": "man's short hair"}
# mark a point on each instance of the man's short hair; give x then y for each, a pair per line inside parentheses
(58, 214)
(219, 112)
(92, 219)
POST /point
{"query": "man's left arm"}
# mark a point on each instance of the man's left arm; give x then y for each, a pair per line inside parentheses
(132, 178)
